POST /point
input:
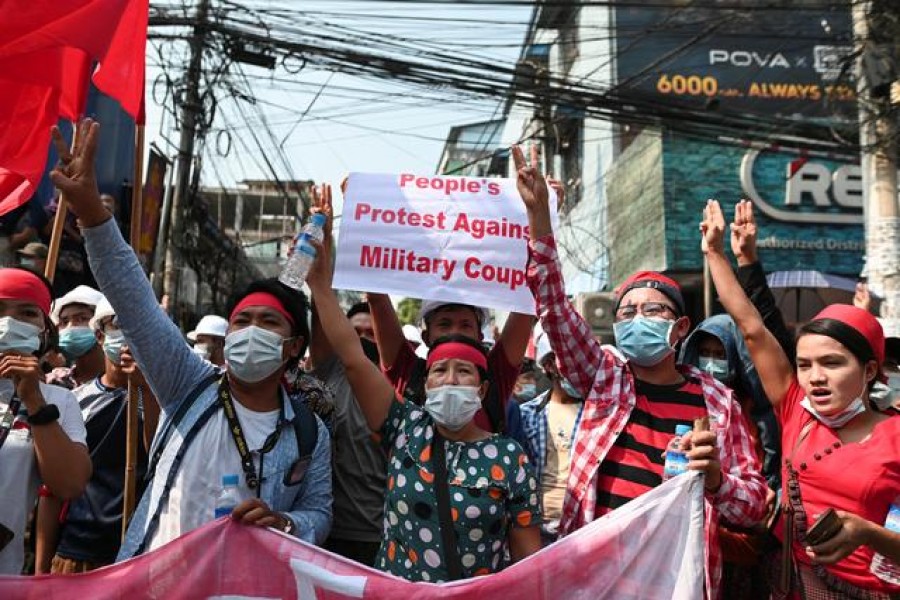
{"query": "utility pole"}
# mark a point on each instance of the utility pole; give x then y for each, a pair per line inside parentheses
(190, 111)
(878, 142)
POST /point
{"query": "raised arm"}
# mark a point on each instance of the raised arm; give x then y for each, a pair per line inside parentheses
(372, 390)
(578, 353)
(320, 350)
(752, 276)
(771, 362)
(388, 330)
(166, 360)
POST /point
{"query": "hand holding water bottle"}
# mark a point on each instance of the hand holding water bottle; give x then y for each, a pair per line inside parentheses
(703, 455)
(303, 252)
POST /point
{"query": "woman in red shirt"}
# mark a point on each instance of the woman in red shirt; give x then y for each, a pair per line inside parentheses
(841, 450)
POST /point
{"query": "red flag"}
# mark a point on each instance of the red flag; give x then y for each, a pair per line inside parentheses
(121, 72)
(46, 50)
(26, 114)
(111, 32)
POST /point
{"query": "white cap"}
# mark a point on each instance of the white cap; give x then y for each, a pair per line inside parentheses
(209, 325)
(429, 306)
(104, 309)
(83, 294)
(412, 333)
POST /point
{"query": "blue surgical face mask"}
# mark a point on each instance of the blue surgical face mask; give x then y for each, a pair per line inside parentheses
(643, 341)
(527, 391)
(568, 388)
(75, 342)
(112, 345)
(717, 367)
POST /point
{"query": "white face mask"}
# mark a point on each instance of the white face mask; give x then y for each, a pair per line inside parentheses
(716, 367)
(112, 345)
(838, 420)
(253, 353)
(452, 406)
(201, 350)
(19, 336)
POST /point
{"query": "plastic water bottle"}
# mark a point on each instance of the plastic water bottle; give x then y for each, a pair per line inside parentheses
(676, 460)
(297, 267)
(228, 497)
(882, 567)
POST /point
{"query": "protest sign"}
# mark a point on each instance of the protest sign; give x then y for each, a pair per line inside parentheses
(457, 239)
(651, 548)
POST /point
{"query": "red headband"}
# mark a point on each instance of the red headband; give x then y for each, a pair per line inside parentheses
(459, 351)
(19, 284)
(262, 299)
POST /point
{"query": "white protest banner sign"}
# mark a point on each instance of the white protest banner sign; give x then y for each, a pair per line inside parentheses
(457, 239)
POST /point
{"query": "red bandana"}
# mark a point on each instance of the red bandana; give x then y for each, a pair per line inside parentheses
(459, 351)
(19, 284)
(262, 299)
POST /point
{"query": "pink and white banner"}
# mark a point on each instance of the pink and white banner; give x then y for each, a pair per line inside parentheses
(650, 549)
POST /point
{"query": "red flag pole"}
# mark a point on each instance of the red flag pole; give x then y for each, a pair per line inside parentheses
(131, 440)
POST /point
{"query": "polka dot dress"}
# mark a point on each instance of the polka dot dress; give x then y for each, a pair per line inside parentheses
(492, 488)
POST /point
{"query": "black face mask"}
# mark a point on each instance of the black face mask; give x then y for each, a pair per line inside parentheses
(371, 350)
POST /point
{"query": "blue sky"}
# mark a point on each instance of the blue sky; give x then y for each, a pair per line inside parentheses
(354, 124)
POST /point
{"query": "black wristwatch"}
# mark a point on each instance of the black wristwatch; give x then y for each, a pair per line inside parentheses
(44, 415)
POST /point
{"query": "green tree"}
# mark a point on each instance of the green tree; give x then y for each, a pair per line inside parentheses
(408, 311)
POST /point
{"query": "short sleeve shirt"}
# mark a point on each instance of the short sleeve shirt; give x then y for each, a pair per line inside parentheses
(19, 478)
(492, 489)
(861, 478)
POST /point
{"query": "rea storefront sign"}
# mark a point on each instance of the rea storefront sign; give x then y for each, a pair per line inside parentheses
(808, 208)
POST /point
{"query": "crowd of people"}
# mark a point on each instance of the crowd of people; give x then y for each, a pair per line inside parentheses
(437, 454)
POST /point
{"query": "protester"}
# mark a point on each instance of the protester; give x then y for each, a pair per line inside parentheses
(33, 257)
(842, 452)
(90, 527)
(208, 338)
(406, 371)
(457, 495)
(550, 422)
(526, 383)
(717, 348)
(42, 435)
(636, 394)
(77, 339)
(239, 423)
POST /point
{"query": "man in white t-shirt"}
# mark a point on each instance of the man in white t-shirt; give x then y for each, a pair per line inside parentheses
(42, 435)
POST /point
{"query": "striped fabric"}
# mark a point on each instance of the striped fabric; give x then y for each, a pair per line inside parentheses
(634, 464)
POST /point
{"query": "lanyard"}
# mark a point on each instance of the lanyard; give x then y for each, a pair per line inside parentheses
(9, 418)
(237, 434)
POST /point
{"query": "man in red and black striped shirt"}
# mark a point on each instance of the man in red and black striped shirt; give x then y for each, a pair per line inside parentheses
(636, 393)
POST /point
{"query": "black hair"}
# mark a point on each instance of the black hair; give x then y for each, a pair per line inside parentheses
(293, 301)
(853, 340)
(358, 308)
(454, 306)
(527, 367)
(462, 339)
